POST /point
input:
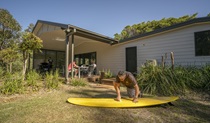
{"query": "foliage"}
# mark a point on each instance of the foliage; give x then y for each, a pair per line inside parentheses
(52, 80)
(30, 28)
(144, 27)
(107, 73)
(206, 80)
(12, 84)
(1, 72)
(9, 56)
(32, 78)
(158, 81)
(30, 43)
(8, 28)
(78, 82)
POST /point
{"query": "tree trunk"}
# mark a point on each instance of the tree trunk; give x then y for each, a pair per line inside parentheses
(29, 62)
(25, 60)
(7, 67)
(10, 67)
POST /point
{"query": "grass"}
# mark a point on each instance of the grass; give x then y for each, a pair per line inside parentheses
(157, 80)
(51, 106)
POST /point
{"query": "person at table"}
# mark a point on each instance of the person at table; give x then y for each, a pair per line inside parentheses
(75, 67)
(50, 63)
(91, 68)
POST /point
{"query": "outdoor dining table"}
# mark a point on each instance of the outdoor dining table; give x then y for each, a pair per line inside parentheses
(82, 69)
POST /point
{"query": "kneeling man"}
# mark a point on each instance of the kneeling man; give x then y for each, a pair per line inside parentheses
(127, 79)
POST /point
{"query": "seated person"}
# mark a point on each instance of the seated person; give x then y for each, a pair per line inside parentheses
(91, 68)
(75, 67)
(50, 63)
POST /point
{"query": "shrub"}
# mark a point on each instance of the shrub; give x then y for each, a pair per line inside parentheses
(154, 80)
(32, 79)
(107, 73)
(1, 72)
(12, 84)
(206, 80)
(165, 81)
(52, 80)
(78, 82)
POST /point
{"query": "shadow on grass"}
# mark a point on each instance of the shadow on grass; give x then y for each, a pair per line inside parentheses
(93, 93)
(195, 109)
(182, 111)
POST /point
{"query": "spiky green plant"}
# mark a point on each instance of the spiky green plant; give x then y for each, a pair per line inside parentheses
(78, 82)
(206, 80)
(52, 80)
(32, 79)
(12, 83)
(107, 73)
(158, 81)
(166, 81)
(1, 72)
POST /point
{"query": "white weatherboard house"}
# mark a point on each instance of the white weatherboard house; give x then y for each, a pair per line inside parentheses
(189, 41)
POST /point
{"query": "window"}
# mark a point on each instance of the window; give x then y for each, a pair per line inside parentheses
(86, 58)
(58, 58)
(202, 43)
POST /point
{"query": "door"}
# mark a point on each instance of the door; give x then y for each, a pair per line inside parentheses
(131, 60)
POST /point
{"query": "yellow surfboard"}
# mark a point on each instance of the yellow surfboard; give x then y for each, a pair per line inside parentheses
(125, 102)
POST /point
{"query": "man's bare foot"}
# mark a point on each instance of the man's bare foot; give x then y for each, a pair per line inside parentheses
(116, 99)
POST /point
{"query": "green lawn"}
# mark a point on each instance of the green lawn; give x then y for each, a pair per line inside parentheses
(51, 106)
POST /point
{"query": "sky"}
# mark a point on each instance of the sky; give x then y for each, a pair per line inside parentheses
(105, 17)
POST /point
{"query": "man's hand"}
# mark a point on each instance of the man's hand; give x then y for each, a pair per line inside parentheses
(135, 100)
(118, 99)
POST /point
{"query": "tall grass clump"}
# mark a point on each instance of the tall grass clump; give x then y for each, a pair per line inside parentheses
(1, 72)
(32, 79)
(206, 80)
(157, 80)
(78, 82)
(52, 80)
(12, 83)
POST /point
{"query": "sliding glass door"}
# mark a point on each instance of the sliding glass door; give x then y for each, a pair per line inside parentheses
(85, 58)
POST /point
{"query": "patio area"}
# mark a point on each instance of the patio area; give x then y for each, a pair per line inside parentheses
(65, 43)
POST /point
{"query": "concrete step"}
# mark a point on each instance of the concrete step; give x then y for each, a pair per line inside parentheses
(94, 78)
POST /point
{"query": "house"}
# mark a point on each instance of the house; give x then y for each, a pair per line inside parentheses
(189, 41)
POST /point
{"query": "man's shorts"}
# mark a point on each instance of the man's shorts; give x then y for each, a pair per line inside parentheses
(131, 92)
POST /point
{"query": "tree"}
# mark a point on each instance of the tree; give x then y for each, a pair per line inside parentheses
(144, 27)
(29, 43)
(208, 15)
(9, 28)
(9, 56)
(30, 28)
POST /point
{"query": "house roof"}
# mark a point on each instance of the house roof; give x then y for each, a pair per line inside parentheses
(79, 31)
(175, 26)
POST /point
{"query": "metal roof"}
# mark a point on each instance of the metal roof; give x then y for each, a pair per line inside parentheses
(80, 32)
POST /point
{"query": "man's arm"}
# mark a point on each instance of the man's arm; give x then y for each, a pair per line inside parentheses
(117, 88)
(135, 99)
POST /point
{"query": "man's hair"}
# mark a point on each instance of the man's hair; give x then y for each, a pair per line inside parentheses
(121, 73)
